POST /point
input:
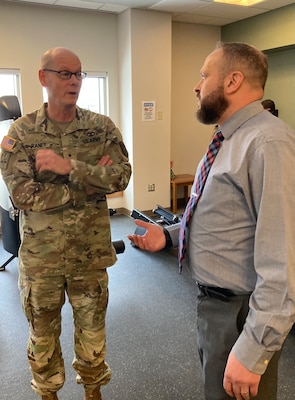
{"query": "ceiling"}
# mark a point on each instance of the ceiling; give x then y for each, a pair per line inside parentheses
(192, 11)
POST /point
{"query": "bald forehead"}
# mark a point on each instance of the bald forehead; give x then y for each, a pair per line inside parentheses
(214, 57)
(59, 56)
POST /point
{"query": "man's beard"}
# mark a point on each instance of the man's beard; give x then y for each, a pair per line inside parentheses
(212, 107)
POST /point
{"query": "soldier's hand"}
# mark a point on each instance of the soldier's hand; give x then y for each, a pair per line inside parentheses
(153, 240)
(105, 160)
(48, 160)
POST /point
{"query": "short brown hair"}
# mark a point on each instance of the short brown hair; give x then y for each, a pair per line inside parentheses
(247, 59)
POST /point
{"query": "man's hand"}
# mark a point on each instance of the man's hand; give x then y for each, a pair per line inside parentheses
(238, 381)
(153, 240)
(48, 160)
(105, 160)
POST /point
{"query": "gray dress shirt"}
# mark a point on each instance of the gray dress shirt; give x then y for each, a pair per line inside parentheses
(242, 233)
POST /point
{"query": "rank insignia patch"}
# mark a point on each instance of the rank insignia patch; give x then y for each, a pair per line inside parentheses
(8, 143)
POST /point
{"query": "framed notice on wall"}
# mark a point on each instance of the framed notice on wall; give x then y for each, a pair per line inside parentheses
(148, 110)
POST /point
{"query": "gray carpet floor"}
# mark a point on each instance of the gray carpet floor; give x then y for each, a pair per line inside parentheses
(151, 343)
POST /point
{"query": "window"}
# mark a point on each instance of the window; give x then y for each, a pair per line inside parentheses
(94, 93)
(10, 83)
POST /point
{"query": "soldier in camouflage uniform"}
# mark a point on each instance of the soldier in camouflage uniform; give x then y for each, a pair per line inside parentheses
(59, 163)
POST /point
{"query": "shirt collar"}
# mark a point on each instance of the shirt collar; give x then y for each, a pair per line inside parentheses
(239, 118)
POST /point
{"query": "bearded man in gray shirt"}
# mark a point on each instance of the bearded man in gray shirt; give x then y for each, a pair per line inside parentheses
(240, 243)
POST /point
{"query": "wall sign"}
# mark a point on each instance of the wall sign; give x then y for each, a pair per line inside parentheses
(148, 110)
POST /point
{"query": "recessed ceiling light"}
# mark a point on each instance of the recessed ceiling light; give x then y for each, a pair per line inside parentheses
(239, 2)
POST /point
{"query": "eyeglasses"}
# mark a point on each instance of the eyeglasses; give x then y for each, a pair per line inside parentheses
(66, 75)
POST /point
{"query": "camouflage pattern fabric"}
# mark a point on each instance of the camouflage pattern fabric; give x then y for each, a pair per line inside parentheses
(42, 300)
(86, 139)
(65, 237)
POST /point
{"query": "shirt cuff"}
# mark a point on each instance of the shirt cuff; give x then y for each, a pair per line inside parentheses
(173, 233)
(78, 173)
(251, 355)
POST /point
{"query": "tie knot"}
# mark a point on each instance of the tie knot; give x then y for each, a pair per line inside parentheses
(218, 136)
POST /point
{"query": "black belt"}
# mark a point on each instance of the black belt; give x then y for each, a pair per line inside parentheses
(216, 292)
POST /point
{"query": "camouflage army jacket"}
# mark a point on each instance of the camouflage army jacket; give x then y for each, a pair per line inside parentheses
(56, 213)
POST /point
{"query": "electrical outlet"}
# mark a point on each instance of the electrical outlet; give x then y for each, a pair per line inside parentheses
(151, 187)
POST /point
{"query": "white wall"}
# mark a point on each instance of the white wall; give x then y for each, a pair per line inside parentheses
(125, 84)
(147, 58)
(191, 44)
(27, 31)
(151, 81)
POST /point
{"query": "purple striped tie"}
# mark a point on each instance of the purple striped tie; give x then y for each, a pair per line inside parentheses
(198, 186)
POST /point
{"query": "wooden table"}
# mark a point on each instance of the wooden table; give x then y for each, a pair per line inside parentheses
(184, 180)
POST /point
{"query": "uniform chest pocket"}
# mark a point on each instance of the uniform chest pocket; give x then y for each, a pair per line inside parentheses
(88, 147)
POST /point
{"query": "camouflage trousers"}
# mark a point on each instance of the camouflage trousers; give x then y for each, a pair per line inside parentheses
(42, 300)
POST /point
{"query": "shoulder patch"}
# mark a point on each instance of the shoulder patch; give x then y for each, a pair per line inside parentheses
(8, 143)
